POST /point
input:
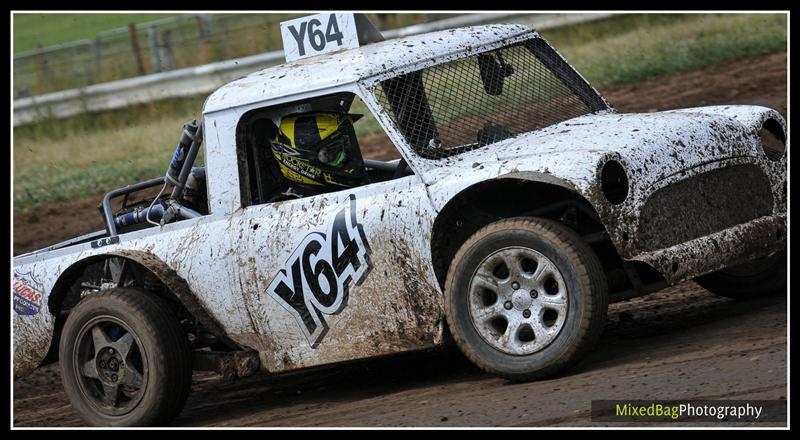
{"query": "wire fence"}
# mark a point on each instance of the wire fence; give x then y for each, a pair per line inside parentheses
(171, 43)
(465, 104)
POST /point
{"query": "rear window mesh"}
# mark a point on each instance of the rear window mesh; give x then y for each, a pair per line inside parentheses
(468, 103)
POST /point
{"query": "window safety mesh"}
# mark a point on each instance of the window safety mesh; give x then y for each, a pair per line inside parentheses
(468, 103)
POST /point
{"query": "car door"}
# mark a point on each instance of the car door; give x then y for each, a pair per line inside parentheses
(341, 276)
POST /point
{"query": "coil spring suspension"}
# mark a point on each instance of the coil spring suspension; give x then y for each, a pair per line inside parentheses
(152, 283)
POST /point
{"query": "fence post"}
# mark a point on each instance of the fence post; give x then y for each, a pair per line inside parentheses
(202, 35)
(152, 35)
(97, 50)
(73, 68)
(222, 21)
(168, 57)
(137, 54)
(382, 20)
(24, 77)
(41, 72)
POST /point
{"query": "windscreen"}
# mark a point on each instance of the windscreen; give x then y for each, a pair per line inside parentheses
(482, 99)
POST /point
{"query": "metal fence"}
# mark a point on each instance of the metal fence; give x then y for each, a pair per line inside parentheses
(201, 79)
(171, 43)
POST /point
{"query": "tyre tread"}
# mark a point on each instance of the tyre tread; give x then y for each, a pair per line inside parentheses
(172, 351)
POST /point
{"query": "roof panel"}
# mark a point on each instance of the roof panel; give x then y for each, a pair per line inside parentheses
(348, 66)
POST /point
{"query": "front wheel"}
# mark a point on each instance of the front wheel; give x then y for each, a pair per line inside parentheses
(125, 360)
(525, 298)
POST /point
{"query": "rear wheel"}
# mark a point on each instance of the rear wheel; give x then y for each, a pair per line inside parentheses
(761, 277)
(525, 298)
(125, 360)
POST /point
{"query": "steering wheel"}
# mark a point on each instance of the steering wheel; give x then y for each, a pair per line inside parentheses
(402, 169)
(491, 133)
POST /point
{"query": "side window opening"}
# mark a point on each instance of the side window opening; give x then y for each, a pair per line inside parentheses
(301, 149)
(264, 175)
(373, 140)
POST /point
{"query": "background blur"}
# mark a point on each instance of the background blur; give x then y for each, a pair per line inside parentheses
(56, 56)
(62, 51)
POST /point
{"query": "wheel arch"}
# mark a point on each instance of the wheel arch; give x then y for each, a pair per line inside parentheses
(478, 205)
(177, 289)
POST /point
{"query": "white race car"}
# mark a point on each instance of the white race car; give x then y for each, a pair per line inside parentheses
(520, 205)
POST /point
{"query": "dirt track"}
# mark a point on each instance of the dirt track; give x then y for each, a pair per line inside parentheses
(680, 343)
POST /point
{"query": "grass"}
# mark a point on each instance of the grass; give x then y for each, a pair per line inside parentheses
(31, 30)
(63, 169)
(634, 47)
(94, 153)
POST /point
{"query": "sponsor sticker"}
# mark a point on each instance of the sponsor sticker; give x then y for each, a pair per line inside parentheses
(27, 292)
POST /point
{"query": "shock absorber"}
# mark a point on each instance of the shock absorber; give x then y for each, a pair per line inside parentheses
(178, 159)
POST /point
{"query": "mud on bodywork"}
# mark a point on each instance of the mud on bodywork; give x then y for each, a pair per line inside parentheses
(31, 324)
(723, 205)
(172, 252)
(708, 202)
(177, 286)
(697, 189)
(394, 306)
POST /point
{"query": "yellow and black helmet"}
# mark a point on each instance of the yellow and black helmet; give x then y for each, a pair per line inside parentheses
(319, 149)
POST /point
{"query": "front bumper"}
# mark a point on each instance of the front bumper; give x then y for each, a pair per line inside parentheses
(728, 247)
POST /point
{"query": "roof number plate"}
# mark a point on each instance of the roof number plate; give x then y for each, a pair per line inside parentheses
(318, 34)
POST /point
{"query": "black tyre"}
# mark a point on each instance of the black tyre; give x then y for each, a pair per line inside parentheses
(761, 277)
(525, 298)
(124, 359)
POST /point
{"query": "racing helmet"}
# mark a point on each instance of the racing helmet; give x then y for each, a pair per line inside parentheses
(319, 149)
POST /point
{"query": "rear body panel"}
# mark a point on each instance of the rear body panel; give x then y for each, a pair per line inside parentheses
(387, 300)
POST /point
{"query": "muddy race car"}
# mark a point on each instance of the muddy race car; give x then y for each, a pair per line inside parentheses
(518, 206)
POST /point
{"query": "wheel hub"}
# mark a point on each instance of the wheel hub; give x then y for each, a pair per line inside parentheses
(521, 299)
(108, 364)
(518, 300)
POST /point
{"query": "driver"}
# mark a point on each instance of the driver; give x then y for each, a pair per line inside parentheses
(317, 153)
